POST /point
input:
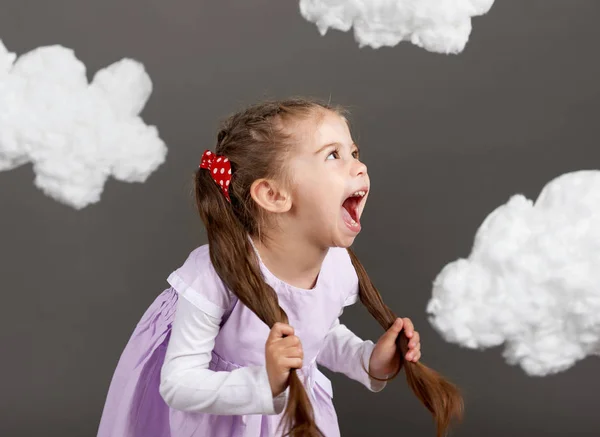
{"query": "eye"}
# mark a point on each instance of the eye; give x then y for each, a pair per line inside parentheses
(335, 154)
(356, 154)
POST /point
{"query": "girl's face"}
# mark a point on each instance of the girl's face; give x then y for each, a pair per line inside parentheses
(330, 184)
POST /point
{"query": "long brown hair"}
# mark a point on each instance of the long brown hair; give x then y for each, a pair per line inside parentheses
(257, 142)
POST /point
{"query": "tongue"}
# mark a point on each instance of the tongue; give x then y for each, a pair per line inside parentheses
(346, 215)
(349, 209)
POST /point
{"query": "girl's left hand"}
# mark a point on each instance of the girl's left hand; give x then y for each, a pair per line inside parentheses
(385, 359)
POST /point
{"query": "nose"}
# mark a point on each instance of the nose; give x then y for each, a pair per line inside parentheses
(358, 168)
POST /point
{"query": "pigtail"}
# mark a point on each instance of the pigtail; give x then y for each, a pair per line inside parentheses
(236, 263)
(441, 397)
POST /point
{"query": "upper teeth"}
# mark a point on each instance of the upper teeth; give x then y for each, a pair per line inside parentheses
(359, 194)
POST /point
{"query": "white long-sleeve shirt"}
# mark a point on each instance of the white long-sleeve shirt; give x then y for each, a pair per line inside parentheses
(188, 384)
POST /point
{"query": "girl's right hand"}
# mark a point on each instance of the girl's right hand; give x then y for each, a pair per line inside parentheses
(283, 352)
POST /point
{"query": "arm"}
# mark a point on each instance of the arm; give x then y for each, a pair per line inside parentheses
(344, 352)
(187, 384)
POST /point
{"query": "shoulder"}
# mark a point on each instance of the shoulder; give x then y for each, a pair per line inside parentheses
(339, 263)
(198, 282)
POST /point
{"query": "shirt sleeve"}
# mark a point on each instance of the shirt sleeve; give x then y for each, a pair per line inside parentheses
(344, 352)
(187, 383)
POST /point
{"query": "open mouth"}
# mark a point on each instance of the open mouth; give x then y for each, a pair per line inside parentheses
(350, 209)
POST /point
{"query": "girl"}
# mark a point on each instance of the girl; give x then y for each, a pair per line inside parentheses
(231, 348)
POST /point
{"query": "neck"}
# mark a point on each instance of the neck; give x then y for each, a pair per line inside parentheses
(291, 258)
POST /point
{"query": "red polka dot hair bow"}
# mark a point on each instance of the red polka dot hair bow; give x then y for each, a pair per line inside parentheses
(220, 170)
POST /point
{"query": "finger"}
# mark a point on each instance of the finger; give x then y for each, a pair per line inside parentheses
(409, 328)
(410, 355)
(396, 327)
(415, 340)
(279, 330)
(290, 341)
(294, 352)
(291, 363)
(389, 337)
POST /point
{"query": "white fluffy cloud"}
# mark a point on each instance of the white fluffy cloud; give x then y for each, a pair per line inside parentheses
(76, 134)
(532, 280)
(441, 26)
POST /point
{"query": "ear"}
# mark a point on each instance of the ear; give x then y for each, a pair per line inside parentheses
(271, 196)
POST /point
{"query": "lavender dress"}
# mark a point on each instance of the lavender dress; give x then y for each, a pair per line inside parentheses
(134, 406)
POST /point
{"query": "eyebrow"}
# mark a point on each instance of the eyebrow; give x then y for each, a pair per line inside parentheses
(337, 145)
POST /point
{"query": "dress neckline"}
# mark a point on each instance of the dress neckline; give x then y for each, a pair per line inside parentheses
(270, 275)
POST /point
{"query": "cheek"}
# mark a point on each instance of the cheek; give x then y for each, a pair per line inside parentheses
(308, 190)
(326, 206)
(311, 199)
(314, 204)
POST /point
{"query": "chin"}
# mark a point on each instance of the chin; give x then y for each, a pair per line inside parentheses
(344, 241)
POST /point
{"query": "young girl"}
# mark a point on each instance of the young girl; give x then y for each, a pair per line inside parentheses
(231, 348)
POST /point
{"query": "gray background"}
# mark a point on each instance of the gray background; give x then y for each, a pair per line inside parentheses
(447, 139)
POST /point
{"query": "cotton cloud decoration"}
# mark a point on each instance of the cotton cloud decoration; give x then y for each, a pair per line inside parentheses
(532, 280)
(441, 26)
(76, 134)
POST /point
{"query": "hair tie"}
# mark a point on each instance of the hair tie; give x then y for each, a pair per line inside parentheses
(220, 170)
